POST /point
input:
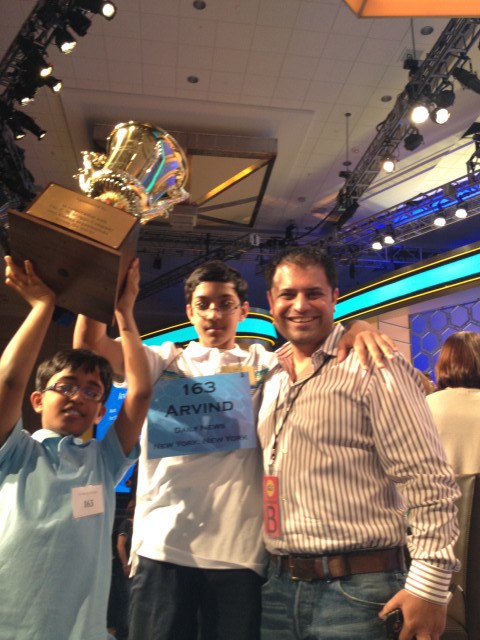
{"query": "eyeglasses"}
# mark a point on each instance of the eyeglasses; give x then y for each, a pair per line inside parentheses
(225, 308)
(70, 390)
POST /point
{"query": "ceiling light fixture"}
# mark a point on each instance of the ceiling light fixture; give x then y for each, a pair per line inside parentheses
(413, 140)
(377, 243)
(440, 220)
(461, 211)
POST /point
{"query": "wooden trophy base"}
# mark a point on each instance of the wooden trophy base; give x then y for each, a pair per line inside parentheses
(80, 247)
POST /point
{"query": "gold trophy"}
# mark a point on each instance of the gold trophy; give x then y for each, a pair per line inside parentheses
(81, 245)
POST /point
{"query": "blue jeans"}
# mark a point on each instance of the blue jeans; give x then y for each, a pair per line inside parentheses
(171, 602)
(340, 609)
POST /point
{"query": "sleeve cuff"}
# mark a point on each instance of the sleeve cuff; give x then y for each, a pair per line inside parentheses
(428, 582)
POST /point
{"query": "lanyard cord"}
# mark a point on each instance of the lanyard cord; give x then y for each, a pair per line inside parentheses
(277, 432)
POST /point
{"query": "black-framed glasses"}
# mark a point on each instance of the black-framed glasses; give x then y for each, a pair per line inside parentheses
(70, 390)
(224, 308)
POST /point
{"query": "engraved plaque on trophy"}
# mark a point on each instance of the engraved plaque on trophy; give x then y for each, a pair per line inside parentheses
(81, 245)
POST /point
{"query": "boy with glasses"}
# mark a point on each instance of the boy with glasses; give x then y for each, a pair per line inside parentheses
(197, 538)
(57, 497)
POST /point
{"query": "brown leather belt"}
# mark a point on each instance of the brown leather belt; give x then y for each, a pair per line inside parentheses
(339, 566)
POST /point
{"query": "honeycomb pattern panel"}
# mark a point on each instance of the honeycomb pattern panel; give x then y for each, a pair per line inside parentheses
(429, 330)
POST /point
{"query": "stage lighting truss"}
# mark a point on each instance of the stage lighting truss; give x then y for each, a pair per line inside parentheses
(474, 160)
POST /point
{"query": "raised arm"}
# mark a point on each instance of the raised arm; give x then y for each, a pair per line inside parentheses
(137, 372)
(91, 334)
(21, 353)
(365, 340)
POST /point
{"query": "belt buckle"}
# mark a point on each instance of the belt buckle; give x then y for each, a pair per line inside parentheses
(292, 567)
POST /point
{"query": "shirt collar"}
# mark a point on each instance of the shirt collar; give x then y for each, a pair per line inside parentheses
(327, 349)
(47, 434)
(196, 351)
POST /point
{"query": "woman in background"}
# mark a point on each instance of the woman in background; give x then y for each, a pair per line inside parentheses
(456, 403)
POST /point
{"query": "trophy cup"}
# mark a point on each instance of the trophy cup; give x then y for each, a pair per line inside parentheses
(81, 244)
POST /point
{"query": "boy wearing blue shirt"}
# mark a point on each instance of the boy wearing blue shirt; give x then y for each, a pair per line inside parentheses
(57, 497)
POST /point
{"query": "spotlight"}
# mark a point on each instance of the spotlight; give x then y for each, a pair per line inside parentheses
(389, 236)
(349, 211)
(440, 115)
(79, 22)
(440, 220)
(18, 132)
(24, 93)
(26, 122)
(64, 40)
(446, 97)
(54, 83)
(377, 244)
(47, 15)
(469, 79)
(37, 67)
(107, 9)
(388, 164)
(413, 140)
(411, 64)
(419, 113)
(443, 99)
(461, 211)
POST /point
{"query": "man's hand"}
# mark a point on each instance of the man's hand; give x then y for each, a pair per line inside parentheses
(27, 284)
(422, 620)
(365, 340)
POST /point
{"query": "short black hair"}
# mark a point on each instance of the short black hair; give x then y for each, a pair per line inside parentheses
(304, 255)
(215, 271)
(74, 359)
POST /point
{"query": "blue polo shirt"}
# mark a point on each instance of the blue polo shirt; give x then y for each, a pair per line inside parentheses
(55, 562)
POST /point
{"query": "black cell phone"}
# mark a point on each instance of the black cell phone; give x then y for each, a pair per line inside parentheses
(393, 624)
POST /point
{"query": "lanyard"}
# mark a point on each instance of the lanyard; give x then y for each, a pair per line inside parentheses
(273, 454)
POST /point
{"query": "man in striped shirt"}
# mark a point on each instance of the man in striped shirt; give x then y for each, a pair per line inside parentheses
(348, 451)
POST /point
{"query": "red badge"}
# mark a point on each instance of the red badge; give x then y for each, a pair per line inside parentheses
(271, 507)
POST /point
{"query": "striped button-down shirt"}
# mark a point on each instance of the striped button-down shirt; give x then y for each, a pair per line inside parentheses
(355, 451)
